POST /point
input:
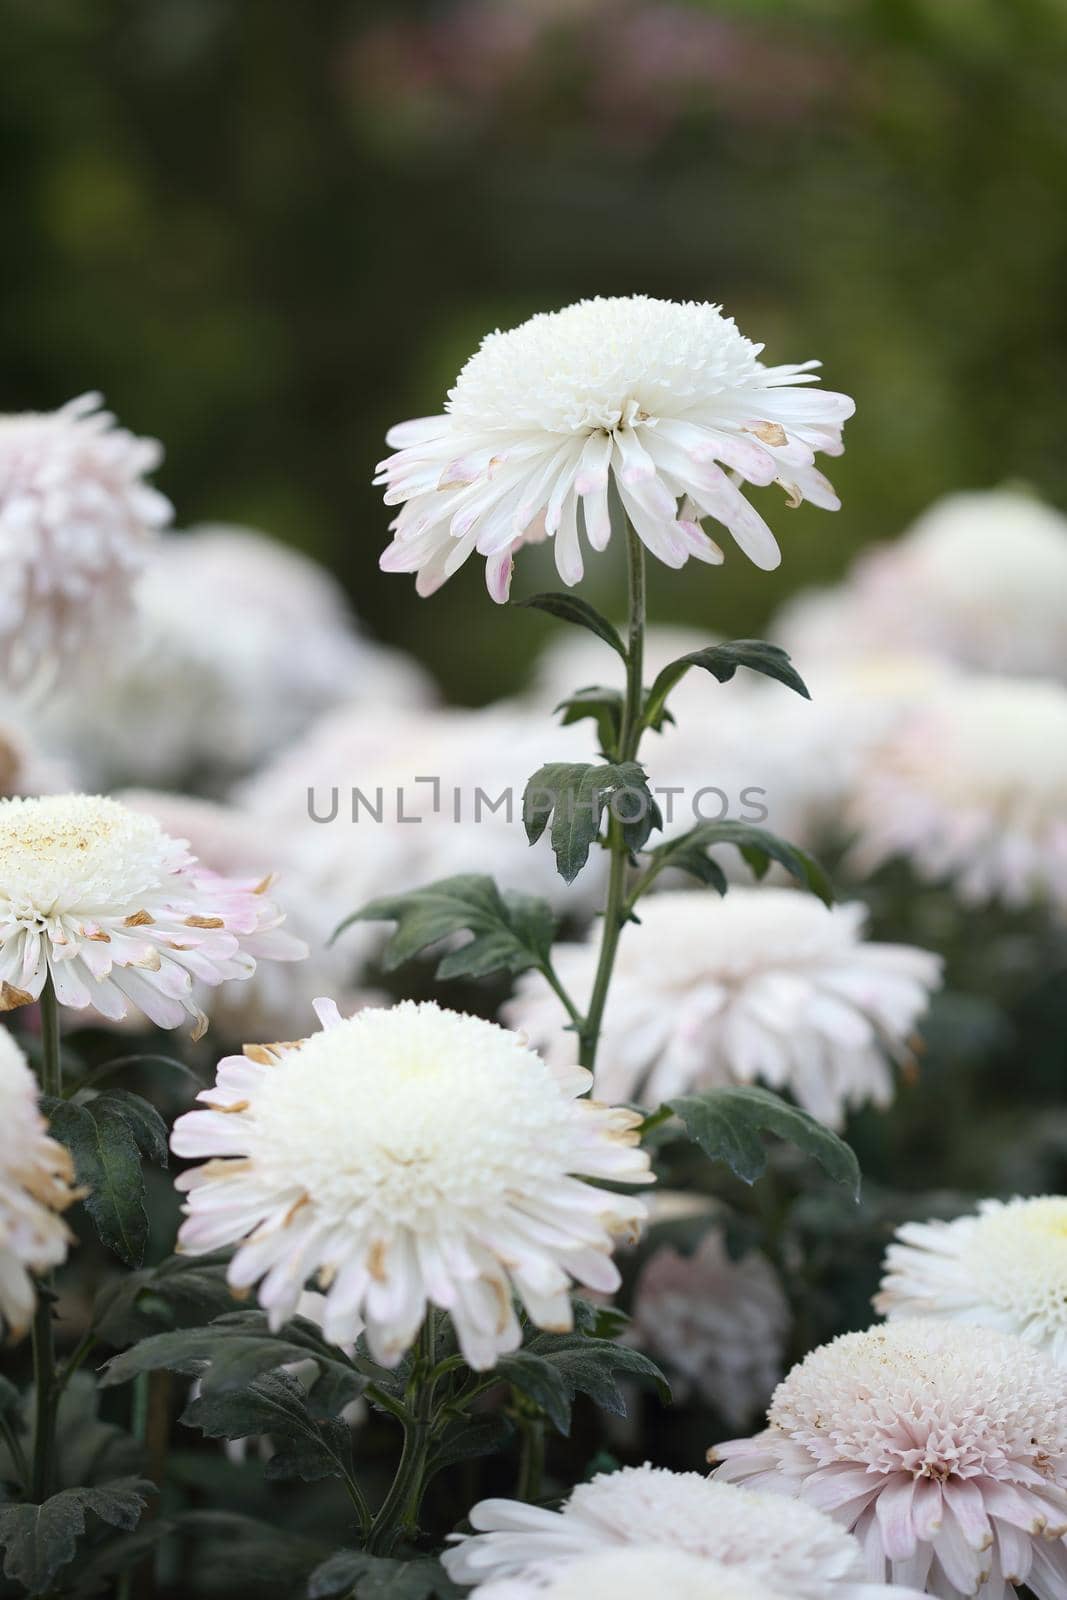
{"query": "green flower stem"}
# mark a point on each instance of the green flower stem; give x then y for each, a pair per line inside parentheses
(616, 910)
(44, 1350)
(400, 1509)
(531, 1459)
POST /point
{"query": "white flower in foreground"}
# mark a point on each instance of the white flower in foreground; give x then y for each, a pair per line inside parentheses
(764, 984)
(238, 642)
(668, 401)
(972, 788)
(944, 1448)
(978, 580)
(637, 1574)
(75, 519)
(119, 914)
(410, 1157)
(788, 1549)
(36, 1175)
(719, 1325)
(1005, 1268)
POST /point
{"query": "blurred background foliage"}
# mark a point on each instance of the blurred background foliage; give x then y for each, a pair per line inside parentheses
(267, 230)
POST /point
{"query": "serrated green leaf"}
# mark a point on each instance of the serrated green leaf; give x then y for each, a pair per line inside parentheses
(570, 608)
(468, 1439)
(305, 1446)
(182, 1292)
(107, 1161)
(363, 1577)
(553, 1368)
(39, 1540)
(232, 1554)
(722, 661)
(234, 1351)
(575, 794)
(602, 706)
(511, 931)
(758, 848)
(728, 1125)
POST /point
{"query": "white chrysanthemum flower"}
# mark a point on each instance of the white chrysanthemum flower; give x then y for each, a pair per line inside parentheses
(119, 914)
(944, 1448)
(670, 402)
(410, 1157)
(791, 1549)
(235, 844)
(75, 518)
(972, 788)
(977, 580)
(765, 984)
(1005, 1268)
(719, 1325)
(636, 1574)
(36, 1175)
(238, 643)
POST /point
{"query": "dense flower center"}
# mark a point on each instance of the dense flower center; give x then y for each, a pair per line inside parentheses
(410, 1109)
(79, 854)
(602, 363)
(1017, 1256)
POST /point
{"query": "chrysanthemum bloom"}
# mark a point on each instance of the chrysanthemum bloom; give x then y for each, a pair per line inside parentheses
(978, 580)
(119, 914)
(765, 984)
(1005, 1268)
(75, 518)
(944, 1448)
(669, 401)
(410, 1157)
(237, 643)
(637, 1574)
(972, 788)
(719, 1325)
(36, 1175)
(790, 1549)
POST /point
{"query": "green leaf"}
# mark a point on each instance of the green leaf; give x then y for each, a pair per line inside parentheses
(41, 1539)
(234, 1554)
(574, 795)
(511, 931)
(758, 847)
(553, 1368)
(728, 1125)
(306, 1446)
(722, 661)
(182, 1292)
(232, 1352)
(106, 1137)
(467, 1439)
(602, 706)
(569, 608)
(363, 1577)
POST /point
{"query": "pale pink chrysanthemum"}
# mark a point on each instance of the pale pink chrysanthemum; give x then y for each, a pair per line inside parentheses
(36, 1178)
(764, 984)
(972, 788)
(944, 1448)
(1003, 1267)
(120, 915)
(719, 1326)
(76, 517)
(790, 1549)
(668, 402)
(410, 1157)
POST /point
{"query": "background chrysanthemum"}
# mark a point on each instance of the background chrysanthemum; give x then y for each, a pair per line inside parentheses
(669, 402)
(792, 1549)
(119, 914)
(36, 1177)
(236, 644)
(943, 1447)
(635, 1574)
(1004, 1267)
(718, 1325)
(76, 517)
(410, 1157)
(972, 788)
(764, 984)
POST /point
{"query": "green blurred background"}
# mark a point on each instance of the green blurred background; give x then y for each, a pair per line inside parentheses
(266, 229)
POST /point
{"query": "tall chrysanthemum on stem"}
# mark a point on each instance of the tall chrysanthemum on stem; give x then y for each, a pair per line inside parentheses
(792, 1550)
(668, 402)
(76, 518)
(98, 901)
(944, 1449)
(1004, 1266)
(410, 1158)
